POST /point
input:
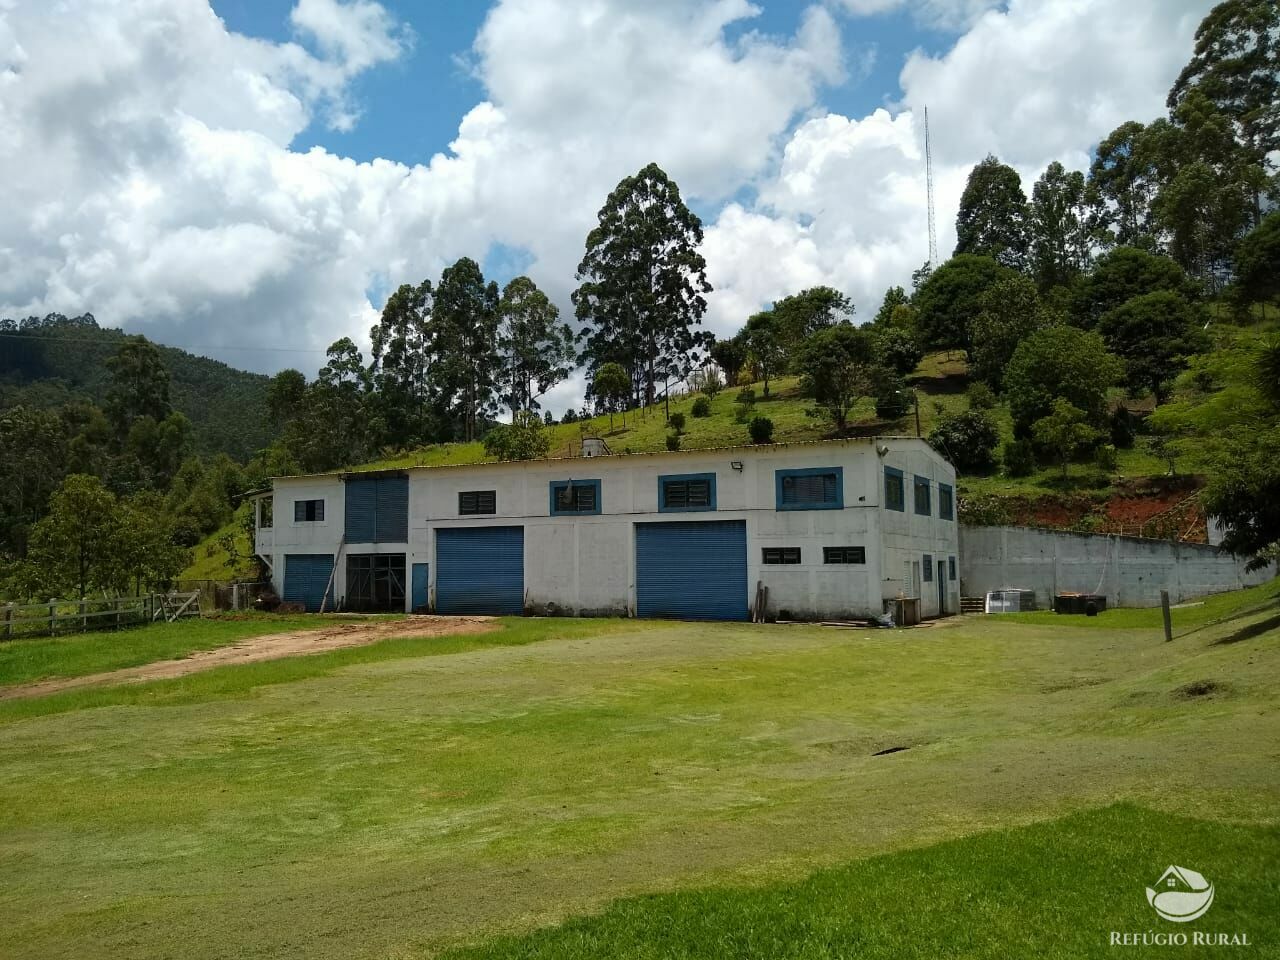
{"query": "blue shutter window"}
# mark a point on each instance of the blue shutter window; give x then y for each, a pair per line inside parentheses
(821, 488)
(308, 511)
(895, 493)
(923, 506)
(685, 493)
(928, 568)
(946, 502)
(377, 509)
(575, 498)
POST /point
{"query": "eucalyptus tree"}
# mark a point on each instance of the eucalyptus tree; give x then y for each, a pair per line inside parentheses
(535, 350)
(642, 284)
(992, 220)
(464, 318)
(1059, 222)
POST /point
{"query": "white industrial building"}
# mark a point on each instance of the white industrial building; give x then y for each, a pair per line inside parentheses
(832, 529)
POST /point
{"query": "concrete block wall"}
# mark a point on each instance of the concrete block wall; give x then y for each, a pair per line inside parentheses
(1129, 571)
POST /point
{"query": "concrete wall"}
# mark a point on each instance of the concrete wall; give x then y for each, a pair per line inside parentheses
(1129, 571)
(586, 564)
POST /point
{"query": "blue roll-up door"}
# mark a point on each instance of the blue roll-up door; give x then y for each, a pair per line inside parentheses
(480, 570)
(692, 571)
(306, 576)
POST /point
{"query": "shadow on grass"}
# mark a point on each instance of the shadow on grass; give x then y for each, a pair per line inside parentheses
(1250, 631)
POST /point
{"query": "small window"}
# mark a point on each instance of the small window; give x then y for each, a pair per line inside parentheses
(781, 555)
(308, 511)
(946, 502)
(923, 495)
(472, 502)
(951, 568)
(689, 492)
(928, 568)
(816, 489)
(895, 493)
(844, 554)
(575, 497)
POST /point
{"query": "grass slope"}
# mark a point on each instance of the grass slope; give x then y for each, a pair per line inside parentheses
(210, 559)
(382, 802)
(1052, 890)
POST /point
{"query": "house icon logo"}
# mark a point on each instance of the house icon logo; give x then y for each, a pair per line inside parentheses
(1181, 895)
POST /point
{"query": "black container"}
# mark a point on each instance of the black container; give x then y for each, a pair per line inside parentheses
(1084, 604)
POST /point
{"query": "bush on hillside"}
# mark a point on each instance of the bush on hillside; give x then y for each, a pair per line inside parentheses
(673, 441)
(1019, 458)
(968, 440)
(980, 397)
(676, 420)
(701, 407)
(761, 430)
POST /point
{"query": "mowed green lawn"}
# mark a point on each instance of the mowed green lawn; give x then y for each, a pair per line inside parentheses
(387, 802)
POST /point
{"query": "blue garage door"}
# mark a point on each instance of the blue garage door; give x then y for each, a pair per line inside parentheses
(692, 571)
(480, 570)
(306, 575)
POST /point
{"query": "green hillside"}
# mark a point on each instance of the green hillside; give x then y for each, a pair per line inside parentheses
(50, 362)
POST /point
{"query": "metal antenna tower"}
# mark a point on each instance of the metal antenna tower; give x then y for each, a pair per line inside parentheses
(928, 178)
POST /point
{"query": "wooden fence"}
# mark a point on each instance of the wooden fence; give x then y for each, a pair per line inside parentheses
(76, 616)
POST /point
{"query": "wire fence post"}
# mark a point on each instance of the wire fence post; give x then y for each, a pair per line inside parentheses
(53, 614)
(8, 621)
(1168, 620)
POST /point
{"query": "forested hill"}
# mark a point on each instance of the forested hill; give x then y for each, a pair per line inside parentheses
(47, 362)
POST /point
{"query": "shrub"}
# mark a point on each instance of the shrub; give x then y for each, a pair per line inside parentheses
(1104, 458)
(1019, 458)
(892, 398)
(1123, 428)
(968, 440)
(761, 430)
(673, 441)
(980, 397)
(746, 396)
(898, 349)
(711, 382)
(702, 407)
(676, 420)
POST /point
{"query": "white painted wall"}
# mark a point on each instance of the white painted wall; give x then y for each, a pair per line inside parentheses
(586, 565)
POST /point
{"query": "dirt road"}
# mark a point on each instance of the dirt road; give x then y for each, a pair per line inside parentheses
(270, 647)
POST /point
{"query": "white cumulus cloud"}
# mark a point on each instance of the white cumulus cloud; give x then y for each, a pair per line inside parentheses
(148, 169)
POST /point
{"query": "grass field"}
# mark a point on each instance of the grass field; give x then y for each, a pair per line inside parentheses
(386, 802)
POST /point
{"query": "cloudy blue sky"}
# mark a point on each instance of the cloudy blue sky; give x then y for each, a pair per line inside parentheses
(248, 178)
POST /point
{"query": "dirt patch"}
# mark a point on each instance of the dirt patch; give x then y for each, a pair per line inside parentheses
(1199, 688)
(272, 646)
(1074, 683)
